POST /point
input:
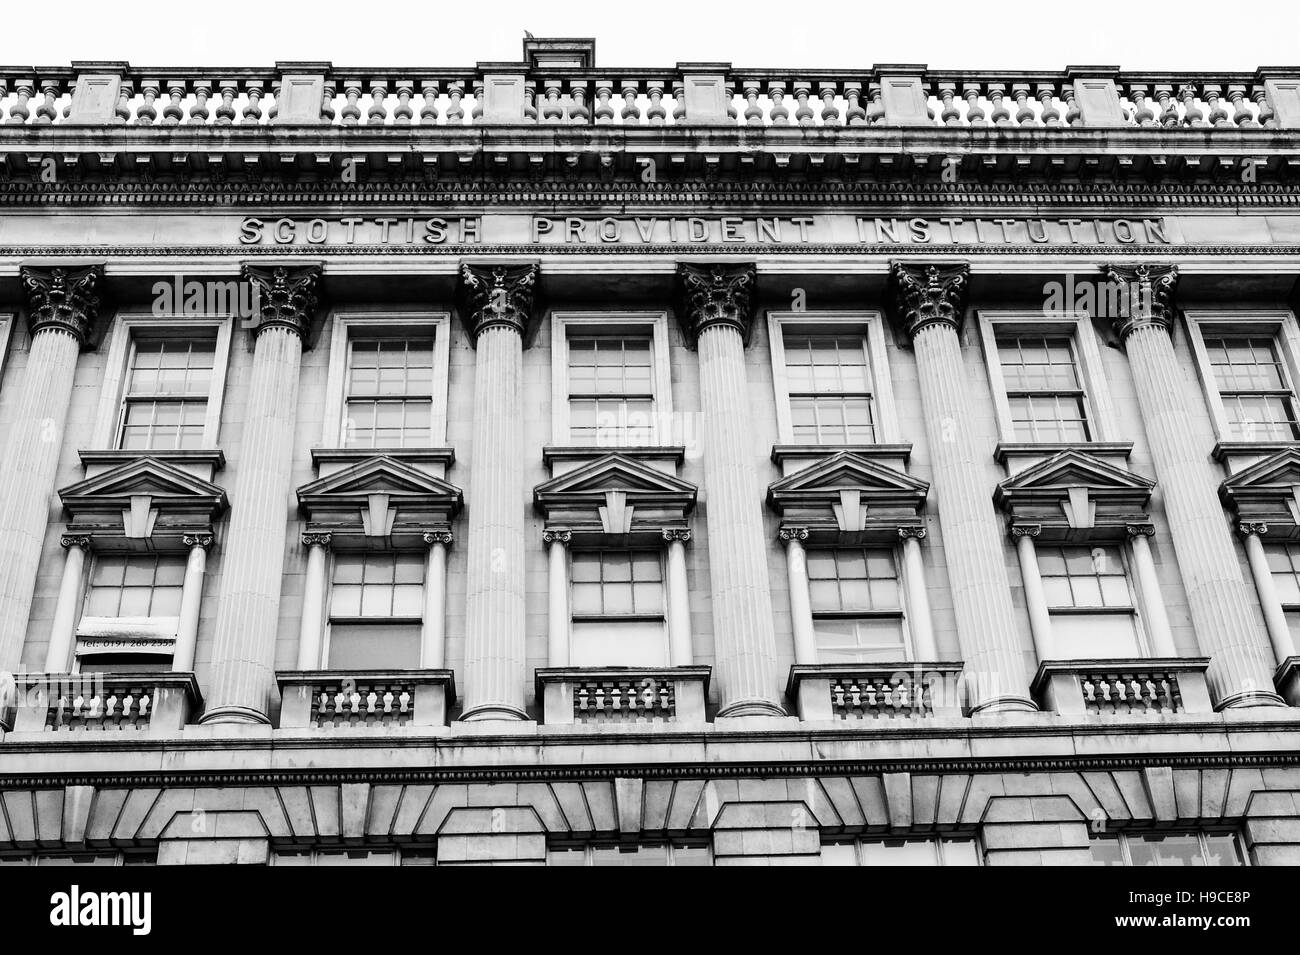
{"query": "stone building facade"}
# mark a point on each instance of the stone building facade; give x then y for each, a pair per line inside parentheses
(556, 464)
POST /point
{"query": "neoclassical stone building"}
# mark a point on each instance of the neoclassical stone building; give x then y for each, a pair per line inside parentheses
(549, 463)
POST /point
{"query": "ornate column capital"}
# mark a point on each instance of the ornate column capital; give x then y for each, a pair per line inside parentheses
(682, 534)
(285, 297)
(438, 537)
(715, 294)
(557, 536)
(317, 539)
(1018, 531)
(493, 295)
(911, 532)
(925, 295)
(197, 540)
(1146, 297)
(789, 534)
(63, 298)
(1140, 530)
(75, 540)
(1252, 528)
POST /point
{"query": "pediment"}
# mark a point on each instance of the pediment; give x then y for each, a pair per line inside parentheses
(847, 493)
(1277, 471)
(165, 484)
(378, 475)
(614, 472)
(1268, 491)
(1076, 492)
(847, 471)
(1073, 468)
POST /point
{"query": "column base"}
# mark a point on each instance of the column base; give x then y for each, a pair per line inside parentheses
(234, 714)
(1004, 704)
(752, 708)
(1250, 698)
(493, 711)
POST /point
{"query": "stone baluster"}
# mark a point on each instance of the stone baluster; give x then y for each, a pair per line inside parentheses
(455, 112)
(631, 113)
(729, 94)
(248, 602)
(552, 108)
(403, 112)
(433, 632)
(856, 114)
(1240, 671)
(430, 90)
(146, 113)
(1072, 111)
(1267, 118)
(753, 112)
(187, 629)
(1143, 114)
(377, 115)
(530, 101)
(604, 108)
(803, 113)
(476, 114)
(1050, 115)
(174, 112)
(876, 108)
(949, 115)
(1164, 94)
(48, 111)
(497, 306)
(327, 94)
(252, 112)
(18, 112)
(274, 109)
(929, 303)
(350, 115)
(199, 111)
(1242, 116)
(63, 630)
(776, 94)
(122, 111)
(1192, 115)
(716, 312)
(679, 102)
(656, 114)
(1218, 115)
(974, 112)
(830, 112)
(63, 310)
(1025, 114)
(578, 111)
(226, 112)
(1001, 114)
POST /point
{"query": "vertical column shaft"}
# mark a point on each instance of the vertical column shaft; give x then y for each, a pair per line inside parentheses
(681, 651)
(187, 629)
(801, 618)
(1040, 619)
(433, 632)
(920, 622)
(311, 629)
(557, 598)
(1279, 633)
(58, 655)
(1153, 605)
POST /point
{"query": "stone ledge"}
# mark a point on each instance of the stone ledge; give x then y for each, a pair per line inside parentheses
(124, 701)
(623, 694)
(870, 691)
(1120, 688)
(364, 699)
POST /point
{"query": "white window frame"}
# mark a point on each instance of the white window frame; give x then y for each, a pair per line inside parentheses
(312, 856)
(1077, 326)
(937, 840)
(125, 329)
(329, 599)
(904, 591)
(612, 324)
(1280, 324)
(1136, 597)
(662, 554)
(92, 627)
(871, 325)
(409, 324)
(588, 851)
(1121, 837)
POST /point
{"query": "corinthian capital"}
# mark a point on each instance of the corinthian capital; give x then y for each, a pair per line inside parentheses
(63, 298)
(498, 295)
(716, 295)
(1146, 297)
(928, 295)
(285, 297)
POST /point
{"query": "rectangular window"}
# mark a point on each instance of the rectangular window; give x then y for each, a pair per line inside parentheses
(1167, 849)
(165, 400)
(1284, 564)
(109, 858)
(388, 401)
(828, 378)
(1090, 601)
(135, 586)
(902, 852)
(1254, 387)
(653, 855)
(1044, 390)
(376, 609)
(857, 604)
(611, 391)
(361, 857)
(617, 602)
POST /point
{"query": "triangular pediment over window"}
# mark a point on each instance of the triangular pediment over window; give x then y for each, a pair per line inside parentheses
(1075, 491)
(615, 495)
(848, 494)
(379, 501)
(144, 503)
(1266, 492)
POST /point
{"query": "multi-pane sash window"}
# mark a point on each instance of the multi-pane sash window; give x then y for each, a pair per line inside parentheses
(640, 854)
(389, 397)
(617, 601)
(1256, 392)
(611, 391)
(135, 586)
(1090, 601)
(829, 382)
(376, 607)
(1167, 849)
(1284, 565)
(1043, 388)
(906, 852)
(165, 402)
(359, 857)
(856, 603)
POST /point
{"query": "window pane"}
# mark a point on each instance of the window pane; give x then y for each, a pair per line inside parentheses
(907, 852)
(613, 642)
(374, 646)
(839, 853)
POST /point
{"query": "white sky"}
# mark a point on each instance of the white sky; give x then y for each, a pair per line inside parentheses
(629, 33)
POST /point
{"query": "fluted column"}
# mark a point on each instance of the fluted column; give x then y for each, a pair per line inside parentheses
(1240, 671)
(58, 655)
(929, 302)
(63, 306)
(557, 596)
(716, 313)
(433, 633)
(248, 602)
(1279, 633)
(920, 622)
(497, 305)
(681, 647)
(801, 618)
(187, 629)
(311, 625)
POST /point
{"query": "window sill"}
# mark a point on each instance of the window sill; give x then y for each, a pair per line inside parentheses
(795, 457)
(202, 463)
(435, 461)
(1006, 451)
(1236, 456)
(563, 457)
